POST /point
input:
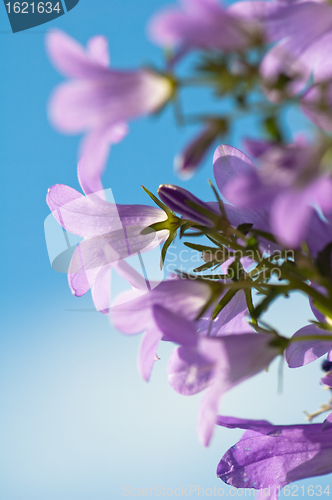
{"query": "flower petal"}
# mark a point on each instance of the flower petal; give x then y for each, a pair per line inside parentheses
(228, 164)
(301, 353)
(97, 50)
(101, 290)
(148, 351)
(94, 153)
(272, 461)
(70, 58)
(188, 372)
(235, 359)
(174, 327)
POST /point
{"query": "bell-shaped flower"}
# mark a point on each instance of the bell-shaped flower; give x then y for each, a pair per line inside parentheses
(201, 24)
(188, 372)
(182, 201)
(132, 312)
(213, 363)
(98, 100)
(268, 457)
(288, 186)
(111, 233)
(303, 30)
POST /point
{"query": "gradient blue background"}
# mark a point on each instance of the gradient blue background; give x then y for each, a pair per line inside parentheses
(76, 421)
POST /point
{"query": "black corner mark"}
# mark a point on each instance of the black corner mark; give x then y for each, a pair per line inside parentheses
(25, 15)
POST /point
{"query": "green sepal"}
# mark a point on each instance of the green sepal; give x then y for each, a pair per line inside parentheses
(250, 304)
(324, 310)
(238, 270)
(207, 265)
(158, 202)
(166, 246)
(219, 200)
(322, 326)
(223, 302)
(264, 234)
(157, 226)
(200, 248)
(184, 227)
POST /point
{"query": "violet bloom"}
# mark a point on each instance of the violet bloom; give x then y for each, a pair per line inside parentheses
(213, 363)
(306, 30)
(182, 201)
(288, 186)
(304, 34)
(98, 100)
(208, 214)
(201, 24)
(301, 353)
(132, 312)
(111, 232)
(188, 161)
(268, 457)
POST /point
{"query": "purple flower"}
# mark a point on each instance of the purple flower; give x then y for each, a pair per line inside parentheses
(98, 100)
(182, 201)
(187, 162)
(303, 31)
(271, 457)
(301, 353)
(133, 312)
(213, 363)
(306, 28)
(188, 371)
(287, 186)
(201, 24)
(111, 232)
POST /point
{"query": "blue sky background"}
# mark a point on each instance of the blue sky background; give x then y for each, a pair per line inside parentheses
(76, 421)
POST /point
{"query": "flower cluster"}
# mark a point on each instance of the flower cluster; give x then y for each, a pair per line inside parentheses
(266, 232)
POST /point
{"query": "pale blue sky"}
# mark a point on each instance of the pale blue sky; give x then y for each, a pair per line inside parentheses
(76, 421)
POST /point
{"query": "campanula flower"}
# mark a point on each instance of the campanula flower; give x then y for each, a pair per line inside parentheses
(288, 186)
(98, 100)
(201, 24)
(132, 312)
(268, 457)
(214, 363)
(111, 233)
